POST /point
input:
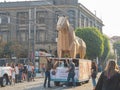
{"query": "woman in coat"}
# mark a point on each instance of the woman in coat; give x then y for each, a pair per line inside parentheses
(110, 77)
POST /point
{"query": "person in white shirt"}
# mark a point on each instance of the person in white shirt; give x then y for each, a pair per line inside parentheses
(16, 73)
(29, 68)
(13, 73)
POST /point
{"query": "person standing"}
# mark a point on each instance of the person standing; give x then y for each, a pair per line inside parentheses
(94, 70)
(110, 77)
(47, 72)
(25, 70)
(33, 73)
(29, 68)
(9, 79)
(16, 73)
(71, 72)
(13, 73)
(20, 72)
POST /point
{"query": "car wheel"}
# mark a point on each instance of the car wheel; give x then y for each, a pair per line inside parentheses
(57, 83)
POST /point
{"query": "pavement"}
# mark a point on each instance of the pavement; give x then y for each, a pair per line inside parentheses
(38, 85)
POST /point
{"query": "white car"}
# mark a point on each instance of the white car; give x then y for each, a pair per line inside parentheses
(5, 74)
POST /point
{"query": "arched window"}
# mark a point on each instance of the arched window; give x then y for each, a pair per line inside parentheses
(4, 18)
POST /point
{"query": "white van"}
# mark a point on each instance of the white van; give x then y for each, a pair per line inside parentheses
(5, 74)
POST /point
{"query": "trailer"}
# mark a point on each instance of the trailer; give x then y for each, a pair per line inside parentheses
(82, 70)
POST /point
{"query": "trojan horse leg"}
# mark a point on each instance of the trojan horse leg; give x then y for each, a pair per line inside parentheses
(80, 52)
(73, 50)
(60, 54)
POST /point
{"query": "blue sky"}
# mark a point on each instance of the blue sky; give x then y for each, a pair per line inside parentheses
(107, 10)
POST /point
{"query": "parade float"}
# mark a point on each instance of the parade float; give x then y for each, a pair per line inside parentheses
(68, 47)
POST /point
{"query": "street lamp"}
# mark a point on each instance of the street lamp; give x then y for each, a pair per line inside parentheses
(34, 36)
(29, 34)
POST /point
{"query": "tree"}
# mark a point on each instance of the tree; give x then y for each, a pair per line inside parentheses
(94, 41)
(2, 44)
(19, 50)
(106, 48)
(7, 50)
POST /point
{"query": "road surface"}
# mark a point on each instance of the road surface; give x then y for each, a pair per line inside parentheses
(38, 85)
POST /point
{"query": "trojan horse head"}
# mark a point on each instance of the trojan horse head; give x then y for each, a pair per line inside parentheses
(62, 23)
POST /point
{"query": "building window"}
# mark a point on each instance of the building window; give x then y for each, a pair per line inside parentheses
(23, 36)
(71, 14)
(62, 2)
(56, 18)
(22, 17)
(82, 21)
(41, 20)
(86, 22)
(5, 36)
(90, 23)
(40, 15)
(40, 36)
(71, 2)
(4, 18)
(57, 14)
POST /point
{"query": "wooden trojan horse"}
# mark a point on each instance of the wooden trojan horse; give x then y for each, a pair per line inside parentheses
(68, 44)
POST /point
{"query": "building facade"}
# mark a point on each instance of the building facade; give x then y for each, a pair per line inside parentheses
(34, 22)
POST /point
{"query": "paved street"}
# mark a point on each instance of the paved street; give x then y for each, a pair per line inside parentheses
(38, 85)
(87, 86)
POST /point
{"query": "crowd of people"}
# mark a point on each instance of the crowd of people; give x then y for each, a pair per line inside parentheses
(21, 72)
(109, 78)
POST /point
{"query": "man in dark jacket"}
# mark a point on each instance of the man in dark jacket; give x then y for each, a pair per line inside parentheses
(71, 72)
(47, 72)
